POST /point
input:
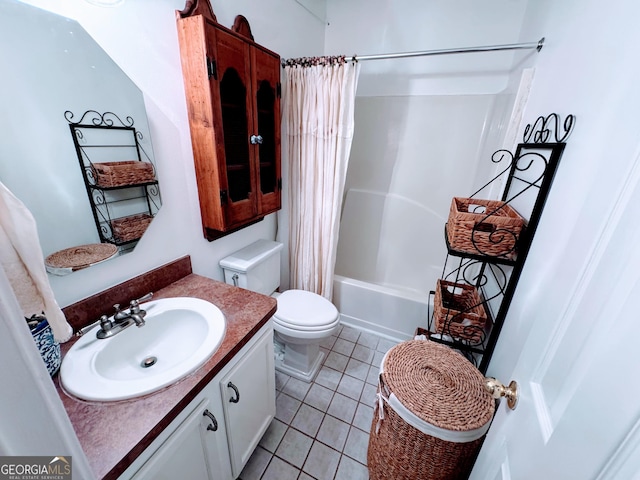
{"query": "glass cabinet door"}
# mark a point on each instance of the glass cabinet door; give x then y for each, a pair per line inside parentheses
(233, 95)
(267, 130)
(267, 123)
(238, 176)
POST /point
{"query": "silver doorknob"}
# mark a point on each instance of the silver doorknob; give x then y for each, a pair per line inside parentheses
(498, 390)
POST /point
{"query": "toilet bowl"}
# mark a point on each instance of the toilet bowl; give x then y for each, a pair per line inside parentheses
(302, 320)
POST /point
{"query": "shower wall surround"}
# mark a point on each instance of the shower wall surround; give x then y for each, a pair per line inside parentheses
(425, 129)
(405, 166)
(410, 156)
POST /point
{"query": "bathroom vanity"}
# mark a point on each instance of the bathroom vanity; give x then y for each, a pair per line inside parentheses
(207, 424)
(214, 436)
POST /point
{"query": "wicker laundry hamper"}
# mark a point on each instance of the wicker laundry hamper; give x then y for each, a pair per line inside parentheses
(431, 416)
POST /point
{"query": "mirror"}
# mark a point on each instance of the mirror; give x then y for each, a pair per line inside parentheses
(54, 66)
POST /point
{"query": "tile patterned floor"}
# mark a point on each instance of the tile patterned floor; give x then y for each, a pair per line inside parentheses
(321, 429)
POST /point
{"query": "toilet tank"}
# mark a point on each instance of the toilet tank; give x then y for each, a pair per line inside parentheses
(255, 267)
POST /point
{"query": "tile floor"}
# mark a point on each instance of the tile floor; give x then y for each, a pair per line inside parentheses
(321, 429)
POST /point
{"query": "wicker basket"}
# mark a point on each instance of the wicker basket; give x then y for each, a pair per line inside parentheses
(435, 414)
(126, 229)
(487, 227)
(119, 174)
(76, 258)
(458, 311)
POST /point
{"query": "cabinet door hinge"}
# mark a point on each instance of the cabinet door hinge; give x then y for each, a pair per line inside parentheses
(212, 68)
(223, 197)
(279, 184)
(279, 90)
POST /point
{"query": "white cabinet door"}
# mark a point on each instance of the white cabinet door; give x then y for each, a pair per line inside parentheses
(248, 400)
(192, 451)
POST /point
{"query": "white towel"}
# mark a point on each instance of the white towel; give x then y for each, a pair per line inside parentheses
(22, 259)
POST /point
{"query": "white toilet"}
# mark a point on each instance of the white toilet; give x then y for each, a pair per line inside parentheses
(302, 319)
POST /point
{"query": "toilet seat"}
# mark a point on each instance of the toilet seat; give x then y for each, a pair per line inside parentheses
(304, 311)
(298, 328)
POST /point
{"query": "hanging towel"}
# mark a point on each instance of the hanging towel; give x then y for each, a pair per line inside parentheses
(22, 259)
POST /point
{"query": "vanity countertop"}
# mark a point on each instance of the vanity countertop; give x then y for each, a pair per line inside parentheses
(113, 434)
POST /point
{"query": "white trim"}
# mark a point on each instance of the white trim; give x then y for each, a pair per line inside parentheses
(542, 411)
(628, 450)
(29, 394)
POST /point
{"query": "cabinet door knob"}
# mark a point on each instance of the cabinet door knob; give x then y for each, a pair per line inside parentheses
(256, 139)
(235, 390)
(214, 425)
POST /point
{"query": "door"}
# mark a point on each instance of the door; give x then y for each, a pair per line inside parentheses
(237, 175)
(578, 415)
(248, 399)
(192, 451)
(266, 123)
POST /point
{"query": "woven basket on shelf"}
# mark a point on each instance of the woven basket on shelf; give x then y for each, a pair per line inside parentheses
(130, 228)
(458, 311)
(119, 174)
(435, 414)
(487, 227)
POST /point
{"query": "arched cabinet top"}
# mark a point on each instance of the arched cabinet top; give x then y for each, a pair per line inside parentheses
(203, 7)
(197, 7)
(242, 27)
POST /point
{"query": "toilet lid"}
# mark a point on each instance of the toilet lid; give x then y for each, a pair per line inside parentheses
(299, 308)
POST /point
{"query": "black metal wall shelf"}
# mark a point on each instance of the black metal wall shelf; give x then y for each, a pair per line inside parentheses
(102, 139)
(528, 178)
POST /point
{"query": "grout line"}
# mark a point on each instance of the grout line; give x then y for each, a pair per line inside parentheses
(326, 413)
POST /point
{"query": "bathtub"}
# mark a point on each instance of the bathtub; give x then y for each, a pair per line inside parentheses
(390, 255)
(390, 312)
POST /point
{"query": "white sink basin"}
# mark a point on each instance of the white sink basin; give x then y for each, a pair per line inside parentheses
(179, 335)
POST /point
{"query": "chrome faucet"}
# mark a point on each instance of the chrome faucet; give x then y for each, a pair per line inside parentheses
(135, 313)
(123, 319)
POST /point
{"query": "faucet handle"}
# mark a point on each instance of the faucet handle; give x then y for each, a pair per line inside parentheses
(105, 323)
(135, 304)
(144, 298)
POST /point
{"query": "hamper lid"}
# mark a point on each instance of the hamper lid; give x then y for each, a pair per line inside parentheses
(438, 385)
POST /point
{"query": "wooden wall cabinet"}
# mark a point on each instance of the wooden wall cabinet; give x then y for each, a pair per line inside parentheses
(233, 91)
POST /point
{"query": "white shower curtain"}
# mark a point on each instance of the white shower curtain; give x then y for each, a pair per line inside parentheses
(318, 123)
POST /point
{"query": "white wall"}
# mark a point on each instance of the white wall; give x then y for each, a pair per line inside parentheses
(425, 127)
(586, 68)
(390, 26)
(141, 38)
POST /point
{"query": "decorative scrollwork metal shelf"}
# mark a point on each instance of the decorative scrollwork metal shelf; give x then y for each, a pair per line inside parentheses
(527, 179)
(476, 256)
(118, 174)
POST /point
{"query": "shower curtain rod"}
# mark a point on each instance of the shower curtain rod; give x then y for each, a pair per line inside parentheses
(446, 51)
